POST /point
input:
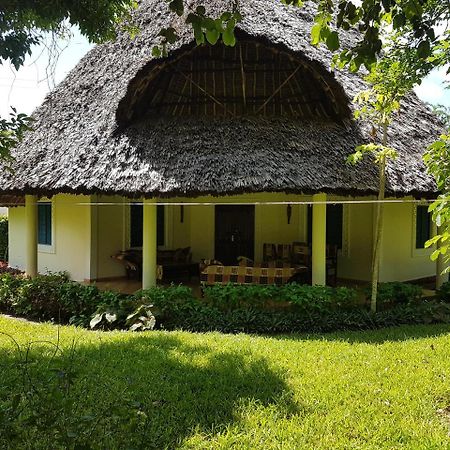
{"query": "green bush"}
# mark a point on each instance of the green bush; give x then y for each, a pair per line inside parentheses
(444, 292)
(51, 297)
(39, 297)
(232, 296)
(207, 318)
(319, 298)
(231, 308)
(4, 238)
(9, 285)
(301, 297)
(397, 293)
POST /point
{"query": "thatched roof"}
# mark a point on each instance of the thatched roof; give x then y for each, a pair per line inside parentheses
(213, 120)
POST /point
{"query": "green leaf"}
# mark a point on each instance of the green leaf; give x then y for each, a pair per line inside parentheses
(198, 34)
(424, 49)
(229, 38)
(200, 10)
(333, 41)
(177, 7)
(212, 36)
(315, 34)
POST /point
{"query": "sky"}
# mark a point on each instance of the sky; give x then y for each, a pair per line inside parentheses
(26, 89)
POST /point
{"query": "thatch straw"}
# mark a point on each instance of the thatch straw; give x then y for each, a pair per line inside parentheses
(213, 121)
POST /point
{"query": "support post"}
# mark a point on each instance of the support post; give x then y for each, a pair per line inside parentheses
(319, 240)
(149, 244)
(440, 266)
(31, 237)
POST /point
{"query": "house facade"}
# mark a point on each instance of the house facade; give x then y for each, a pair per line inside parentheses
(85, 231)
(213, 146)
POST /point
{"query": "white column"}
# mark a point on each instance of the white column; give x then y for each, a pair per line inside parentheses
(92, 271)
(31, 235)
(149, 245)
(319, 238)
(440, 266)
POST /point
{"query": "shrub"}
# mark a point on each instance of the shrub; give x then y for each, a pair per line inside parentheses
(205, 318)
(4, 238)
(251, 309)
(39, 297)
(396, 293)
(5, 269)
(232, 296)
(53, 297)
(112, 310)
(444, 292)
(319, 298)
(9, 285)
(301, 297)
(169, 301)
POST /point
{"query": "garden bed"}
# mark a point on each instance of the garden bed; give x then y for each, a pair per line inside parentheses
(230, 309)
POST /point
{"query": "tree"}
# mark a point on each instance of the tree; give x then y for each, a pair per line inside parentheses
(389, 82)
(443, 112)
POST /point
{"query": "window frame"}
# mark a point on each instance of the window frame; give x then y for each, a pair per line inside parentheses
(47, 248)
(417, 251)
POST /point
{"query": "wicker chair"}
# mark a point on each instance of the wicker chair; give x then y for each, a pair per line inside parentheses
(332, 253)
(301, 254)
(284, 252)
(269, 252)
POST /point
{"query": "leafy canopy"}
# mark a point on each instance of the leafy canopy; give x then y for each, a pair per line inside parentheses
(24, 23)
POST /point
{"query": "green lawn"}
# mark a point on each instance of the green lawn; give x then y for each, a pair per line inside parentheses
(381, 389)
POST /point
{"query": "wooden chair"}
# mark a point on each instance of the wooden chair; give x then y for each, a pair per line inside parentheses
(331, 261)
(301, 257)
(269, 252)
(284, 252)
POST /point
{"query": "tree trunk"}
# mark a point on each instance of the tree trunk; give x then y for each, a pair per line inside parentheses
(379, 226)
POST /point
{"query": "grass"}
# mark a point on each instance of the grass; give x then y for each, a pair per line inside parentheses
(372, 390)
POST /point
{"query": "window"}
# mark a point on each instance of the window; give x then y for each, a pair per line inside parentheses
(45, 223)
(136, 224)
(423, 226)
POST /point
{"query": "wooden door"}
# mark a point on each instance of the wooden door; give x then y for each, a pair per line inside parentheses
(234, 233)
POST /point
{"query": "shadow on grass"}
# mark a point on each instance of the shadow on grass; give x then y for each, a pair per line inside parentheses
(153, 391)
(379, 336)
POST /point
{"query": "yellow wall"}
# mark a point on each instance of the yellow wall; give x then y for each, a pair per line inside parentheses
(202, 232)
(179, 233)
(16, 237)
(110, 236)
(354, 262)
(400, 260)
(70, 238)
